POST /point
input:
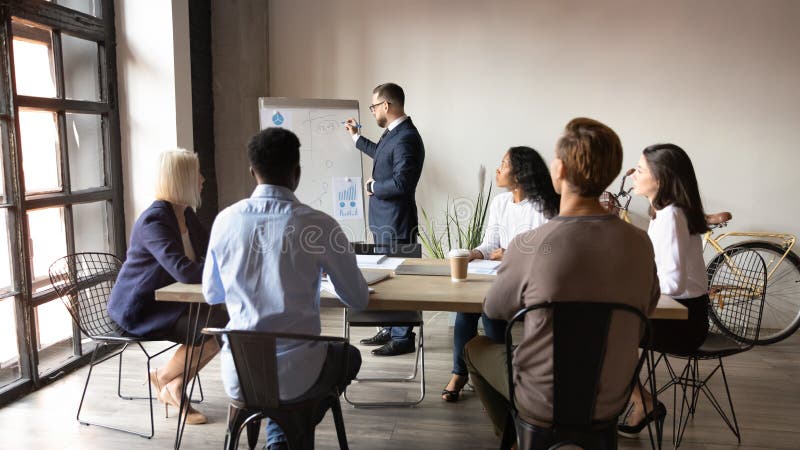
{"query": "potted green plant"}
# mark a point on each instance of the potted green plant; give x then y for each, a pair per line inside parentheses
(464, 223)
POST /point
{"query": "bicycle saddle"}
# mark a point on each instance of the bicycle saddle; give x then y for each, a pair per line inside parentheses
(718, 218)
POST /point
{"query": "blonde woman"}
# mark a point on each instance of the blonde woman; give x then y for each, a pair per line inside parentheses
(168, 244)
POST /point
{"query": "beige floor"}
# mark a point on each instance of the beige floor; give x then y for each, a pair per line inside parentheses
(765, 382)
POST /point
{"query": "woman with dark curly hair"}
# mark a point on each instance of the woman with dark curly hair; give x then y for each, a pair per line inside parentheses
(530, 202)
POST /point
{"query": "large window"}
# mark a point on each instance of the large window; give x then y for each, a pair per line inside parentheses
(60, 174)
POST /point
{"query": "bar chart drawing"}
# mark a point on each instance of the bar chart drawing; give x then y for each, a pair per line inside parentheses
(347, 198)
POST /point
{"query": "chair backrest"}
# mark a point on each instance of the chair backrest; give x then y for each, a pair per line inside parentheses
(254, 356)
(392, 251)
(737, 285)
(84, 282)
(580, 338)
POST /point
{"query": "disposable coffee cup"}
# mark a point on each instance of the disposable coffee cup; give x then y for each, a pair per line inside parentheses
(459, 259)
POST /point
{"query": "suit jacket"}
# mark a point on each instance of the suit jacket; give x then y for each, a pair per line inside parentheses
(397, 166)
(156, 259)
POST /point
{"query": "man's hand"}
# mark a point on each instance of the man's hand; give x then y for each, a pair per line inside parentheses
(366, 186)
(497, 255)
(351, 126)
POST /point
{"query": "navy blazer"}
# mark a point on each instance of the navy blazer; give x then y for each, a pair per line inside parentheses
(156, 259)
(397, 166)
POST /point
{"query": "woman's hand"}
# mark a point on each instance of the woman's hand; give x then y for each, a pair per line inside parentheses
(475, 254)
(497, 255)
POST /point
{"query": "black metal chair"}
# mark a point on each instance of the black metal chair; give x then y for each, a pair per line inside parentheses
(84, 282)
(391, 319)
(257, 369)
(580, 343)
(737, 280)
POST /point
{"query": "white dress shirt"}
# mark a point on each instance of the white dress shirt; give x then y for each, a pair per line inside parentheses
(679, 255)
(265, 257)
(506, 220)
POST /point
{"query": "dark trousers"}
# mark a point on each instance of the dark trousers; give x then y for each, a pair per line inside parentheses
(341, 366)
(389, 242)
(682, 337)
(466, 328)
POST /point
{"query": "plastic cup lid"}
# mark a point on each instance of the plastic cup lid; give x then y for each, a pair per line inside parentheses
(458, 252)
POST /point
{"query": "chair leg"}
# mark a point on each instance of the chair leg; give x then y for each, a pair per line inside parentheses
(299, 429)
(236, 417)
(419, 367)
(338, 421)
(253, 428)
(509, 437)
(93, 362)
(731, 422)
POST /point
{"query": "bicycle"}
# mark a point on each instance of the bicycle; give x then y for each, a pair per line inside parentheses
(781, 317)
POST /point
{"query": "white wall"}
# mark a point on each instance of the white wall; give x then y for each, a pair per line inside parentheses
(155, 102)
(717, 77)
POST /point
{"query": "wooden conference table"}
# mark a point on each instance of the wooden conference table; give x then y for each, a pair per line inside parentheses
(399, 293)
(417, 293)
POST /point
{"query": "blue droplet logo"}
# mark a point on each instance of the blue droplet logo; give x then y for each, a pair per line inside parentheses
(277, 118)
(352, 204)
(341, 204)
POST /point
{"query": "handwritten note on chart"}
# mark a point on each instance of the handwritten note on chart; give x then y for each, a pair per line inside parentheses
(347, 199)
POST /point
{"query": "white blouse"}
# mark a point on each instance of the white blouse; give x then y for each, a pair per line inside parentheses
(506, 220)
(679, 255)
(188, 250)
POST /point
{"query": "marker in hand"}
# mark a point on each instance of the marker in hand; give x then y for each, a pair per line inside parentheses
(356, 125)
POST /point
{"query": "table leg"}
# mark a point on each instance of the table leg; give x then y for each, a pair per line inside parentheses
(191, 337)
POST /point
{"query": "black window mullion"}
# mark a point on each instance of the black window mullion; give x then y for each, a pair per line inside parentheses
(59, 104)
(18, 226)
(111, 138)
(59, 17)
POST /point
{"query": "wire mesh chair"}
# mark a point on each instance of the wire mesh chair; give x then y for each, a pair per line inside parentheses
(84, 282)
(737, 280)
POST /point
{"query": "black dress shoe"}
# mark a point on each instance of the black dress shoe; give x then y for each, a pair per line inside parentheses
(393, 348)
(282, 445)
(383, 337)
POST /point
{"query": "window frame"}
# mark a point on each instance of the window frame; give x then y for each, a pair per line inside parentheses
(59, 20)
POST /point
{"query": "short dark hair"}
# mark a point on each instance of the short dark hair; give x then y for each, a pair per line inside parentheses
(274, 152)
(391, 92)
(592, 155)
(677, 183)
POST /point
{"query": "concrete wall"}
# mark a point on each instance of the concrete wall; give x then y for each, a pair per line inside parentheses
(240, 56)
(155, 102)
(717, 77)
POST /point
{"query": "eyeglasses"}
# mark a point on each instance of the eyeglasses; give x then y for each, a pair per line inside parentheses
(372, 107)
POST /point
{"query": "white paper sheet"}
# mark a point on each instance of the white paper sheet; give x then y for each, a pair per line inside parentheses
(348, 202)
(483, 267)
(387, 264)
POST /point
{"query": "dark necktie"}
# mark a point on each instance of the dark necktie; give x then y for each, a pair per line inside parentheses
(385, 132)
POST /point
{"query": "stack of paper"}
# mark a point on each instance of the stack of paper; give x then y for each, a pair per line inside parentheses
(386, 264)
(370, 259)
(483, 267)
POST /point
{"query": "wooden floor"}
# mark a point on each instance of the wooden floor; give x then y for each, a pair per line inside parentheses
(765, 383)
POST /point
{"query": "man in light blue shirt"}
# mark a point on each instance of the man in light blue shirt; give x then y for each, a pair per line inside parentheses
(265, 258)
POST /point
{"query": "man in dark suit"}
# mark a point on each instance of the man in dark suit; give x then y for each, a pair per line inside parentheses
(397, 165)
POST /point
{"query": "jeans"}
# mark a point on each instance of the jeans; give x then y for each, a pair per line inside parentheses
(466, 328)
(334, 372)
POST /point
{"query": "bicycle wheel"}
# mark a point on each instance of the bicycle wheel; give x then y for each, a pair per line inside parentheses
(781, 316)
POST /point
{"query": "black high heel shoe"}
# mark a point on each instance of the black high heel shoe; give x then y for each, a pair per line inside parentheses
(453, 396)
(632, 431)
